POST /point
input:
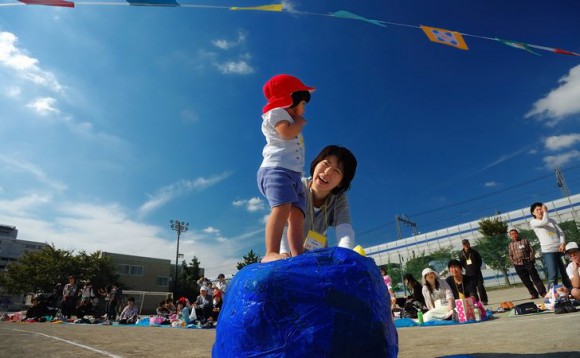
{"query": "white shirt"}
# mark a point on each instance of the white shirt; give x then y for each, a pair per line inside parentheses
(279, 152)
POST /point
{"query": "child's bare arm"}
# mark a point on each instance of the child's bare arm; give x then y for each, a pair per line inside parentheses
(289, 130)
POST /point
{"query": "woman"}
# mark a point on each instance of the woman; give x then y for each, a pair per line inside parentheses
(326, 203)
(552, 242)
(438, 297)
(415, 299)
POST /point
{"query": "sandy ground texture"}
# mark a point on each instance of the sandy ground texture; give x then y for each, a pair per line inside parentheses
(541, 335)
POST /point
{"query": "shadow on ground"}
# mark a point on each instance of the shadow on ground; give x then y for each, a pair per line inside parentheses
(514, 355)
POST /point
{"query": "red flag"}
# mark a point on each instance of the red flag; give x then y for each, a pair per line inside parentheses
(62, 3)
(564, 52)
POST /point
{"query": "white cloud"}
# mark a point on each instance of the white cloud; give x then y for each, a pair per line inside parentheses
(226, 45)
(252, 204)
(239, 67)
(23, 65)
(555, 161)
(43, 106)
(558, 142)
(560, 102)
(109, 227)
(211, 230)
(172, 191)
(490, 184)
(13, 92)
(32, 169)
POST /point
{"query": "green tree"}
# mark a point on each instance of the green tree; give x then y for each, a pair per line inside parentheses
(416, 264)
(571, 231)
(250, 258)
(190, 273)
(493, 246)
(43, 270)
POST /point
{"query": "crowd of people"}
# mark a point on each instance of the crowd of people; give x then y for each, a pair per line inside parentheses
(434, 297)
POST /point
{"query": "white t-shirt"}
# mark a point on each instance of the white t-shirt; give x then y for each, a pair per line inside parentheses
(279, 152)
(570, 272)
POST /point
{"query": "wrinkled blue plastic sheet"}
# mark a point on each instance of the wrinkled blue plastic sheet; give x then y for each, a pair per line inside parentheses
(326, 303)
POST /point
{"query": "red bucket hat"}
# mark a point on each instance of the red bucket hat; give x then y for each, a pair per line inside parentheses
(278, 91)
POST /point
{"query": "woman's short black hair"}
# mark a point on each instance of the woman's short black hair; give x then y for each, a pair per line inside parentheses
(298, 97)
(345, 157)
(534, 205)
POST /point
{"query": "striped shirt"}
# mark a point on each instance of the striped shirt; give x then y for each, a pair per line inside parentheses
(521, 252)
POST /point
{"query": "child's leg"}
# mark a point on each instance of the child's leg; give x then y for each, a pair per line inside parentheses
(274, 228)
(296, 231)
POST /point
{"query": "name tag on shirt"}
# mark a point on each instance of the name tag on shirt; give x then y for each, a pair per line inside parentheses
(314, 241)
(521, 246)
(468, 262)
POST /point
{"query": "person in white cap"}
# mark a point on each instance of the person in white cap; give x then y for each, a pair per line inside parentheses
(573, 269)
(438, 297)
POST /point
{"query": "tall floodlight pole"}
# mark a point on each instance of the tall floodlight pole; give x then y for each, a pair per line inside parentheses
(179, 226)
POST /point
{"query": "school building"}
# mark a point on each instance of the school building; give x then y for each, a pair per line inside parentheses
(398, 252)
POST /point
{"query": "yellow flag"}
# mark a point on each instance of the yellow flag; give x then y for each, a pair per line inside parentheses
(273, 7)
(446, 37)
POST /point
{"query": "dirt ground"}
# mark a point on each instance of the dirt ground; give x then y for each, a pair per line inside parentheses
(541, 335)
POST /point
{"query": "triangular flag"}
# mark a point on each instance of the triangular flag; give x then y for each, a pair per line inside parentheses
(445, 37)
(61, 3)
(349, 15)
(273, 7)
(518, 45)
(564, 52)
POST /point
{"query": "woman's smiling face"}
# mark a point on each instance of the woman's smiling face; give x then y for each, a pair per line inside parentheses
(328, 174)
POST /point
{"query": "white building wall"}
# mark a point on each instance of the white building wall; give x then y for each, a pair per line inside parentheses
(565, 209)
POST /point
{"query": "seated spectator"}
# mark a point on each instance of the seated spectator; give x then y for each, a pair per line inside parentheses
(162, 310)
(36, 311)
(221, 283)
(170, 306)
(130, 313)
(186, 314)
(415, 301)
(438, 297)
(85, 308)
(217, 305)
(460, 285)
(203, 305)
(573, 269)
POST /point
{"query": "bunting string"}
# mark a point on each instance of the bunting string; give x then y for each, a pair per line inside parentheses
(447, 37)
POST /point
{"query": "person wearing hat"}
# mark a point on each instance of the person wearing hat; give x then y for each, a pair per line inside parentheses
(523, 257)
(472, 262)
(327, 205)
(203, 305)
(279, 176)
(438, 296)
(552, 242)
(573, 269)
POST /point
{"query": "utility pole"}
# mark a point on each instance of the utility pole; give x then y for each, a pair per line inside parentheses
(564, 189)
(405, 220)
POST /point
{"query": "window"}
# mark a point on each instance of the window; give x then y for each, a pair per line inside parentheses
(131, 270)
(162, 281)
(136, 270)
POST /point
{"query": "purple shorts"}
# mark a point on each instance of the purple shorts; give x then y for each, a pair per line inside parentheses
(282, 186)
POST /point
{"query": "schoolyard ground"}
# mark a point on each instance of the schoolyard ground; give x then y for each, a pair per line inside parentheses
(536, 335)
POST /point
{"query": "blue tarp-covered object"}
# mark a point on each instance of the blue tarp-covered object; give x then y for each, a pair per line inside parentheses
(326, 303)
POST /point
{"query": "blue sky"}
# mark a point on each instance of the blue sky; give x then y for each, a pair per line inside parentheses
(116, 119)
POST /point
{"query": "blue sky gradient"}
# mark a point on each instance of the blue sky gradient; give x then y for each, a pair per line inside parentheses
(116, 119)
